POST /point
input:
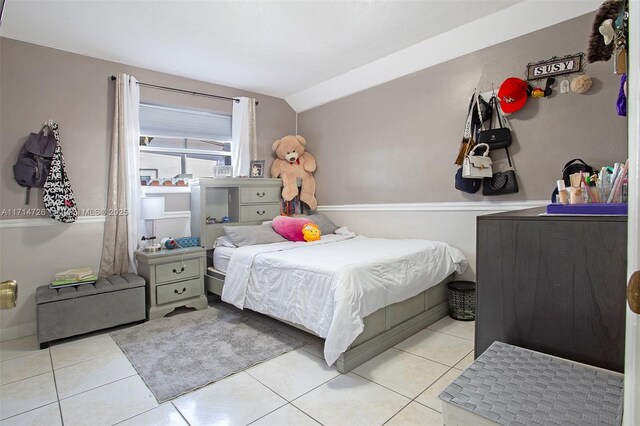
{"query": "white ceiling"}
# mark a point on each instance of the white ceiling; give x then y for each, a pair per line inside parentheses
(279, 48)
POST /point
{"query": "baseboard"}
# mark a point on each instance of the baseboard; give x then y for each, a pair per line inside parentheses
(22, 330)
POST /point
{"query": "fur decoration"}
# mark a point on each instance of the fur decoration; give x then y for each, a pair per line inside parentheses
(598, 50)
(581, 84)
(292, 163)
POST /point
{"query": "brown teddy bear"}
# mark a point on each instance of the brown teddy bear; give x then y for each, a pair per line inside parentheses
(292, 163)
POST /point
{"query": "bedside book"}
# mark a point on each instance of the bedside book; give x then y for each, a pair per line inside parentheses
(68, 283)
(75, 274)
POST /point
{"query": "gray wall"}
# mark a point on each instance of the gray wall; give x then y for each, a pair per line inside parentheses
(38, 83)
(397, 142)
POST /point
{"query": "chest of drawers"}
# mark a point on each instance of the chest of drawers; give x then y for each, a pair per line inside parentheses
(257, 203)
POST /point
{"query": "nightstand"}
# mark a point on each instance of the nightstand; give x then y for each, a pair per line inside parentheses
(174, 278)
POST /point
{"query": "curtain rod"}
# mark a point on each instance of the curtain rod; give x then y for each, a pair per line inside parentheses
(190, 92)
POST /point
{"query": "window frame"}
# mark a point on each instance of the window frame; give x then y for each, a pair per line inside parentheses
(183, 153)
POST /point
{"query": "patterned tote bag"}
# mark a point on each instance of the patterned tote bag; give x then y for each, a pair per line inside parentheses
(58, 195)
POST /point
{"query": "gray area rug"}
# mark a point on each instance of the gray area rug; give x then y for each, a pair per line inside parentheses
(177, 354)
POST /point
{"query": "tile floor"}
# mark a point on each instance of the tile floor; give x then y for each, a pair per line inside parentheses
(88, 381)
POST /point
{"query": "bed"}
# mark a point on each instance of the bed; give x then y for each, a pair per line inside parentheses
(362, 295)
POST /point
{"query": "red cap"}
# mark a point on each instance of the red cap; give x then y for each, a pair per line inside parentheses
(512, 94)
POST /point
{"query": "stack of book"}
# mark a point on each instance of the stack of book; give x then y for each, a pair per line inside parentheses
(290, 208)
(73, 277)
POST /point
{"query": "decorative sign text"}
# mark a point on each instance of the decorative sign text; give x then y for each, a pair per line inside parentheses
(555, 66)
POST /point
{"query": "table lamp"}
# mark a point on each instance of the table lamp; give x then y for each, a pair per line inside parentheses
(152, 209)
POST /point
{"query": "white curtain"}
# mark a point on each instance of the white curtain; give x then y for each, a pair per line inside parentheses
(123, 226)
(243, 136)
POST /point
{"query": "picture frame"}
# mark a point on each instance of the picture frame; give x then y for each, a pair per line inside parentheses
(256, 169)
(147, 176)
(152, 173)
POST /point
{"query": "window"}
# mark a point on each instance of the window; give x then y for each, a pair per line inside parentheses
(179, 141)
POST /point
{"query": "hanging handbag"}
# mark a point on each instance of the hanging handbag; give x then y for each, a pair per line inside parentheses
(481, 110)
(477, 166)
(478, 112)
(470, 186)
(501, 183)
(467, 139)
(57, 193)
(498, 137)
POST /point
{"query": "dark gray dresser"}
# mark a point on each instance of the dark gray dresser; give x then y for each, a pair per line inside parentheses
(553, 284)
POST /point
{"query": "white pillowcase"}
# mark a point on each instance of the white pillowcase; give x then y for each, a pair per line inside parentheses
(223, 241)
(343, 230)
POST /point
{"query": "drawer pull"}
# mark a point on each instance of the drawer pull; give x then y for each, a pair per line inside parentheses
(180, 292)
(260, 214)
(178, 273)
(260, 195)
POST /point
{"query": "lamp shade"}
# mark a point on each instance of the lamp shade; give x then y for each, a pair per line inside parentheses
(153, 208)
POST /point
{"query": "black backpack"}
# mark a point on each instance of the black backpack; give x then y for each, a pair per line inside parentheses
(34, 160)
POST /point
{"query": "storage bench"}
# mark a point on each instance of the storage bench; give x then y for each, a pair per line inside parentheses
(509, 385)
(69, 311)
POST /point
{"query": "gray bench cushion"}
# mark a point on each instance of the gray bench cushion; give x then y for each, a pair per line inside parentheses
(69, 311)
(44, 294)
(516, 386)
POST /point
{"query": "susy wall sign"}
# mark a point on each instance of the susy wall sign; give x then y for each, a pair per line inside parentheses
(555, 66)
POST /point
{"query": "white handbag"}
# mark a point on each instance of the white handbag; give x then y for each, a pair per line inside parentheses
(477, 166)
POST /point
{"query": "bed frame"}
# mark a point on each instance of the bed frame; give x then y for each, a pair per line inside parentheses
(384, 328)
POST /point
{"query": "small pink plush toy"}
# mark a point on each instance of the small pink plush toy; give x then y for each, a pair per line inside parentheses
(292, 163)
(296, 228)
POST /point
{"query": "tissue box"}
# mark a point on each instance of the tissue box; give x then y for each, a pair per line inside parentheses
(188, 242)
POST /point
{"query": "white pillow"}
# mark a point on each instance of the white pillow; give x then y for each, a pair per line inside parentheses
(223, 241)
(343, 230)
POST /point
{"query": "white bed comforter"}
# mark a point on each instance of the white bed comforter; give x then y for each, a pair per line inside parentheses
(330, 285)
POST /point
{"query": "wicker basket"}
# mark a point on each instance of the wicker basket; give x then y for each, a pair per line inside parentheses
(462, 300)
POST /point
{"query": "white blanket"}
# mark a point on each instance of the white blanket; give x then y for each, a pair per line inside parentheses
(330, 285)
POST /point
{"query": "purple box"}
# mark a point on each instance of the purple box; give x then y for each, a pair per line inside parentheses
(608, 209)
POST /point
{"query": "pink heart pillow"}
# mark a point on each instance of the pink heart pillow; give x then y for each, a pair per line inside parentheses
(290, 227)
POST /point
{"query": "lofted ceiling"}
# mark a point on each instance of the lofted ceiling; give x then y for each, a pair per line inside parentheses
(287, 49)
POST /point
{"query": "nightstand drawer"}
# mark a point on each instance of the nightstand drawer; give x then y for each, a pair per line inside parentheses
(259, 194)
(259, 212)
(178, 291)
(177, 271)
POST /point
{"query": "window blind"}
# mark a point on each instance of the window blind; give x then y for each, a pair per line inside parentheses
(169, 122)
